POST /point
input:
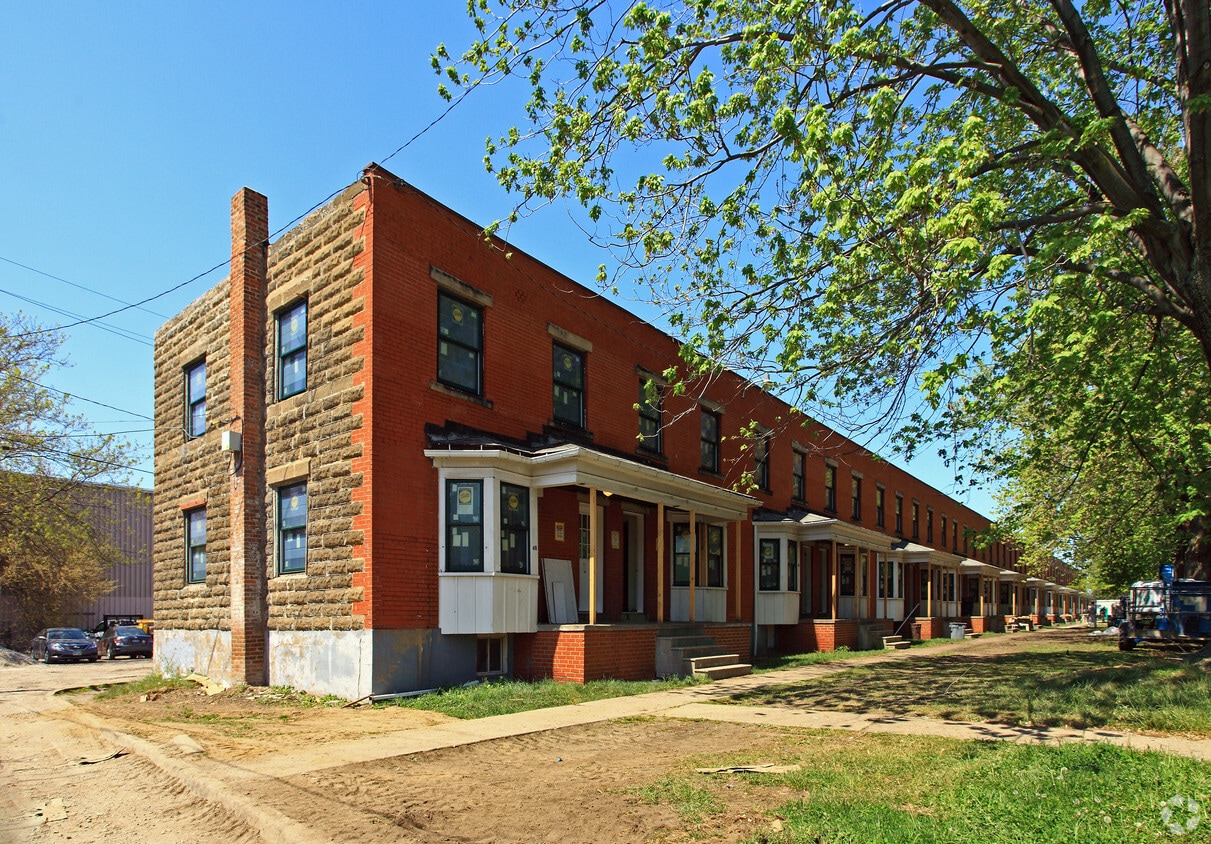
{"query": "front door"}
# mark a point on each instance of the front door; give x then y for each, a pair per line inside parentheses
(632, 549)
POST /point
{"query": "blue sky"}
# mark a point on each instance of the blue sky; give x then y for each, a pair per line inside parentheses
(125, 128)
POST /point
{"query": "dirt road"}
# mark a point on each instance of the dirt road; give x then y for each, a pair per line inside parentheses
(248, 765)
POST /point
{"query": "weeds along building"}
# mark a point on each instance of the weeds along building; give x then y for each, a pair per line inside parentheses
(391, 457)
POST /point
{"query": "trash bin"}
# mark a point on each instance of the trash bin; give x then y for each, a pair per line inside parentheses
(958, 631)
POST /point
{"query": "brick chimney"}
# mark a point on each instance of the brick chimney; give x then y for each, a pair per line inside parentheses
(246, 322)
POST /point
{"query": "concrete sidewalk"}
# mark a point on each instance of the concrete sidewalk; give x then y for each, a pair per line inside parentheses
(702, 703)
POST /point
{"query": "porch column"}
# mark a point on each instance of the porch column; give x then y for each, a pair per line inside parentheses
(929, 590)
(1014, 602)
(693, 562)
(739, 590)
(981, 579)
(593, 562)
(835, 587)
(871, 573)
(659, 562)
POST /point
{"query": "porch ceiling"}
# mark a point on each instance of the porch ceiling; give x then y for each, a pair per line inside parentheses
(574, 465)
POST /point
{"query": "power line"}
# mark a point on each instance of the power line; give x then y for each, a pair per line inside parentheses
(81, 398)
(77, 286)
(119, 332)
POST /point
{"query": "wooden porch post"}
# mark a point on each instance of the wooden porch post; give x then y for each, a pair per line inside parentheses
(693, 562)
(1014, 601)
(981, 594)
(834, 589)
(929, 590)
(739, 590)
(660, 562)
(871, 572)
(593, 562)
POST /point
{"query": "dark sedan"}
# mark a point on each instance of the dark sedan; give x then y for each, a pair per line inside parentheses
(59, 644)
(125, 641)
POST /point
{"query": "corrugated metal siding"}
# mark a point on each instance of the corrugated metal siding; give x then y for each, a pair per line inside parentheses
(123, 514)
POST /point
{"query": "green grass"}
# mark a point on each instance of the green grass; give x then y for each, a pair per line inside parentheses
(877, 788)
(1079, 685)
(153, 682)
(507, 696)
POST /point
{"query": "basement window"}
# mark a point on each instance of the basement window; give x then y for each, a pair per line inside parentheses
(490, 656)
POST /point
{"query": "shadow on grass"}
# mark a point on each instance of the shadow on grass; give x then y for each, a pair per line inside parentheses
(1075, 687)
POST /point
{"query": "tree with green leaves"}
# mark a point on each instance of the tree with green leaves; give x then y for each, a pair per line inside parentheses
(864, 204)
(54, 555)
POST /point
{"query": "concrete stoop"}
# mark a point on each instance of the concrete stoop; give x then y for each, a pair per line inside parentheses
(692, 653)
(896, 643)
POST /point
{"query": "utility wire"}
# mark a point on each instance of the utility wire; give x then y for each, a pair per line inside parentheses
(77, 286)
(81, 398)
(119, 332)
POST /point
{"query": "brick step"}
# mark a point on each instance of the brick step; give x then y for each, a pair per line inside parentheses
(722, 672)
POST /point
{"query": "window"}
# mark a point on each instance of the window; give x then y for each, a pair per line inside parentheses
(929, 524)
(460, 344)
(292, 528)
(900, 514)
(830, 488)
(681, 554)
(761, 463)
(490, 656)
(195, 399)
(916, 520)
(514, 529)
(710, 441)
(855, 496)
(964, 540)
(771, 564)
(792, 566)
(943, 530)
(954, 536)
(195, 546)
(879, 493)
(292, 350)
(845, 575)
(651, 420)
(798, 475)
(714, 556)
(464, 525)
(567, 375)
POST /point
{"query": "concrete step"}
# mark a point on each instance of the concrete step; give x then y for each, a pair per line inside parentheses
(700, 651)
(675, 642)
(898, 643)
(712, 661)
(722, 672)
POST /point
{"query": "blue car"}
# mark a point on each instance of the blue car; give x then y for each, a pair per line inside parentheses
(60, 644)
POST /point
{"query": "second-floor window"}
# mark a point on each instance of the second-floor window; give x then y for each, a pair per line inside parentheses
(798, 475)
(879, 496)
(830, 488)
(710, 441)
(292, 528)
(943, 530)
(567, 376)
(855, 495)
(292, 350)
(460, 344)
(651, 420)
(899, 514)
(195, 399)
(928, 525)
(916, 520)
(761, 463)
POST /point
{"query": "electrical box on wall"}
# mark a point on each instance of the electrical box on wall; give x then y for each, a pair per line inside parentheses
(230, 441)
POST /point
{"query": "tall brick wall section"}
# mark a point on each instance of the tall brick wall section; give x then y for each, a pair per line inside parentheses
(246, 340)
(364, 263)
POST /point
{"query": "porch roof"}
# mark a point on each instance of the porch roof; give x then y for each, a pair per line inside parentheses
(970, 566)
(1009, 574)
(912, 552)
(577, 465)
(813, 527)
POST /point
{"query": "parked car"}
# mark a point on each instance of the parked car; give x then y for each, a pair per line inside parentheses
(125, 641)
(57, 644)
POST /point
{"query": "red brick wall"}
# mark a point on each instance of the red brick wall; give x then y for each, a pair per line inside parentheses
(736, 638)
(582, 654)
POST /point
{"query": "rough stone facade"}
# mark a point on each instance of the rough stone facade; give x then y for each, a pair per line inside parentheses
(309, 436)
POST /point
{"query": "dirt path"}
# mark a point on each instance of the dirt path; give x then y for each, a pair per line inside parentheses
(242, 766)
